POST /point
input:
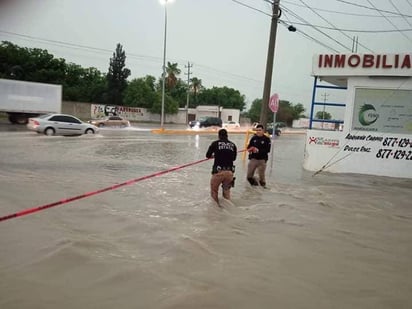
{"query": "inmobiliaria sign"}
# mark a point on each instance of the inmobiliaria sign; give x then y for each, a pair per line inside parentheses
(363, 64)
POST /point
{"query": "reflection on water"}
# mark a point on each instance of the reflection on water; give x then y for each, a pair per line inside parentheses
(329, 241)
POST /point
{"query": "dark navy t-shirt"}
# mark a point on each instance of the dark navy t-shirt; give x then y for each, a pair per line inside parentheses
(224, 152)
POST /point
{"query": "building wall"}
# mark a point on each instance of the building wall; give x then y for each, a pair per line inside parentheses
(87, 111)
(374, 152)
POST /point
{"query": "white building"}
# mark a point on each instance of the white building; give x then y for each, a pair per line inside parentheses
(182, 116)
(226, 114)
(376, 137)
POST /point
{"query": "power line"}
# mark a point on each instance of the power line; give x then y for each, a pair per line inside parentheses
(325, 34)
(373, 8)
(333, 28)
(75, 46)
(396, 8)
(231, 74)
(251, 7)
(307, 36)
(332, 24)
(109, 52)
(344, 13)
(350, 30)
(390, 22)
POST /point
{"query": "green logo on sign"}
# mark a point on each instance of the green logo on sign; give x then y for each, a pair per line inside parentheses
(368, 114)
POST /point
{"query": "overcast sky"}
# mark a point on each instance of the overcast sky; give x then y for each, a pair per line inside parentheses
(226, 41)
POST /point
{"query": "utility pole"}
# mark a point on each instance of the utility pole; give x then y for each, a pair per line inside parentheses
(188, 90)
(355, 44)
(269, 63)
(325, 95)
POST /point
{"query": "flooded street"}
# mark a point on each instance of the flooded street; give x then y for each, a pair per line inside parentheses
(329, 241)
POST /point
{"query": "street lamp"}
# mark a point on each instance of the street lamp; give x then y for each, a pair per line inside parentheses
(162, 116)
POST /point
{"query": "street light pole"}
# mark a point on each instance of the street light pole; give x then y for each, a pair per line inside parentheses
(269, 63)
(164, 70)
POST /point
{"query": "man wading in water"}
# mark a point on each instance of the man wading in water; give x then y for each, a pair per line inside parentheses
(258, 148)
(224, 152)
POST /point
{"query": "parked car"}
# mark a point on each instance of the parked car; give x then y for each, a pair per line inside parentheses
(280, 124)
(206, 122)
(210, 121)
(60, 124)
(231, 125)
(111, 121)
(193, 123)
(269, 128)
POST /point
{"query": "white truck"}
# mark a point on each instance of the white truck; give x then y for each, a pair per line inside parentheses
(22, 100)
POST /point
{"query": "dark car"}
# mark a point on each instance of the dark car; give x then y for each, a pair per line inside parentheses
(193, 123)
(210, 121)
(280, 125)
(278, 131)
(206, 122)
(269, 129)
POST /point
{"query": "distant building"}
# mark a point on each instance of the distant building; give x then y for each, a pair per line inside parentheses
(226, 114)
(142, 114)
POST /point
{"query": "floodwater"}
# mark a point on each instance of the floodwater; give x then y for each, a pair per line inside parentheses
(329, 241)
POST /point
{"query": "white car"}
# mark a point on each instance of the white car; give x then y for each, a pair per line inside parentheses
(111, 121)
(231, 125)
(60, 124)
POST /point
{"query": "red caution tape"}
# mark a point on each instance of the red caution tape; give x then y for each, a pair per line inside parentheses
(71, 199)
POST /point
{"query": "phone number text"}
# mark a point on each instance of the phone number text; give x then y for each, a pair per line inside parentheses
(399, 142)
(394, 154)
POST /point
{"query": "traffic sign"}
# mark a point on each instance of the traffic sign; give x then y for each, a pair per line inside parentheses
(274, 103)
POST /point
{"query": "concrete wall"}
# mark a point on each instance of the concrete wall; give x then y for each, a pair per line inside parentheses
(78, 109)
(87, 111)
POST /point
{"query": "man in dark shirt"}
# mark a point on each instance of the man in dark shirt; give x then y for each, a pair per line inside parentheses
(258, 148)
(224, 152)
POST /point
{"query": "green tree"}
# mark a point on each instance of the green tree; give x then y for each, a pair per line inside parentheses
(142, 92)
(287, 112)
(83, 85)
(171, 105)
(323, 115)
(10, 56)
(298, 111)
(30, 64)
(179, 92)
(195, 88)
(172, 72)
(254, 111)
(37, 65)
(117, 77)
(222, 96)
